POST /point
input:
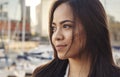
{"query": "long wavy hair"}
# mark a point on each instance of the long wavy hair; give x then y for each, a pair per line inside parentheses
(93, 18)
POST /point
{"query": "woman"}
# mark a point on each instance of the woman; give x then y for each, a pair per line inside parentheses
(80, 38)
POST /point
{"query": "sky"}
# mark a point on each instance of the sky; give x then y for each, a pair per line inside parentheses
(14, 11)
(33, 4)
(112, 8)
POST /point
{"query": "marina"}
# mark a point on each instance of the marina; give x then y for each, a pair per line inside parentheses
(23, 63)
(24, 41)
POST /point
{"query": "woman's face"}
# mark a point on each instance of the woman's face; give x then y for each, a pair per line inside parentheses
(64, 30)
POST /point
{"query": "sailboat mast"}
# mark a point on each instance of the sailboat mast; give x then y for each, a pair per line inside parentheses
(23, 24)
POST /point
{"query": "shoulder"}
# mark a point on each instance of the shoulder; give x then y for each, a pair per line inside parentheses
(116, 71)
(54, 68)
(39, 68)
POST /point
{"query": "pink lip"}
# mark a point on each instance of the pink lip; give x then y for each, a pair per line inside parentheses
(60, 47)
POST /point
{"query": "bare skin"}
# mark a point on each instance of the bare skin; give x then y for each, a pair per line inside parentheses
(79, 67)
(63, 27)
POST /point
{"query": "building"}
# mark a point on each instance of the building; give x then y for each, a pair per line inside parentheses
(11, 21)
(42, 12)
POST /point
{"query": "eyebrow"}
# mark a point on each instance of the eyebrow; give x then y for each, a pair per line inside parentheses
(64, 21)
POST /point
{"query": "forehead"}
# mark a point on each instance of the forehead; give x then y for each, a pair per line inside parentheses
(62, 12)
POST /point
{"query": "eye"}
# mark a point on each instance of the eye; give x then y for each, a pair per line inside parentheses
(53, 28)
(66, 26)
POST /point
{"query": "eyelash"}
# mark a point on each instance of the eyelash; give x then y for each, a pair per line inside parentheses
(53, 28)
(66, 26)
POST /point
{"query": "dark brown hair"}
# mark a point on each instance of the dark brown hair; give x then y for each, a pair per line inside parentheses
(93, 18)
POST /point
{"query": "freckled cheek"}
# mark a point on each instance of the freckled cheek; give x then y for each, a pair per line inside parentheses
(68, 34)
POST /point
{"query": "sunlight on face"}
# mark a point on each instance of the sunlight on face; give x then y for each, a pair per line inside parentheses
(63, 26)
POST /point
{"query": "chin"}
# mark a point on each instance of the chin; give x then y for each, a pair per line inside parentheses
(62, 57)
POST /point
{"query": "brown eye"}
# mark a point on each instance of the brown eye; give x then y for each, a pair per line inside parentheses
(67, 26)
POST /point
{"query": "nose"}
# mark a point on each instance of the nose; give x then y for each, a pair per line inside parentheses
(58, 35)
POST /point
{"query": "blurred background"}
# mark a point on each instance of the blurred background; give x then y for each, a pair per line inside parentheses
(24, 41)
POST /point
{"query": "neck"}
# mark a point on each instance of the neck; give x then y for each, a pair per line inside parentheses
(79, 67)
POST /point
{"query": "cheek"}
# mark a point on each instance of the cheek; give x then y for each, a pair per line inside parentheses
(78, 44)
(75, 49)
(53, 39)
(68, 35)
(82, 39)
(80, 36)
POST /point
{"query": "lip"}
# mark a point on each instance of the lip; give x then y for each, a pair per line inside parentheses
(60, 47)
